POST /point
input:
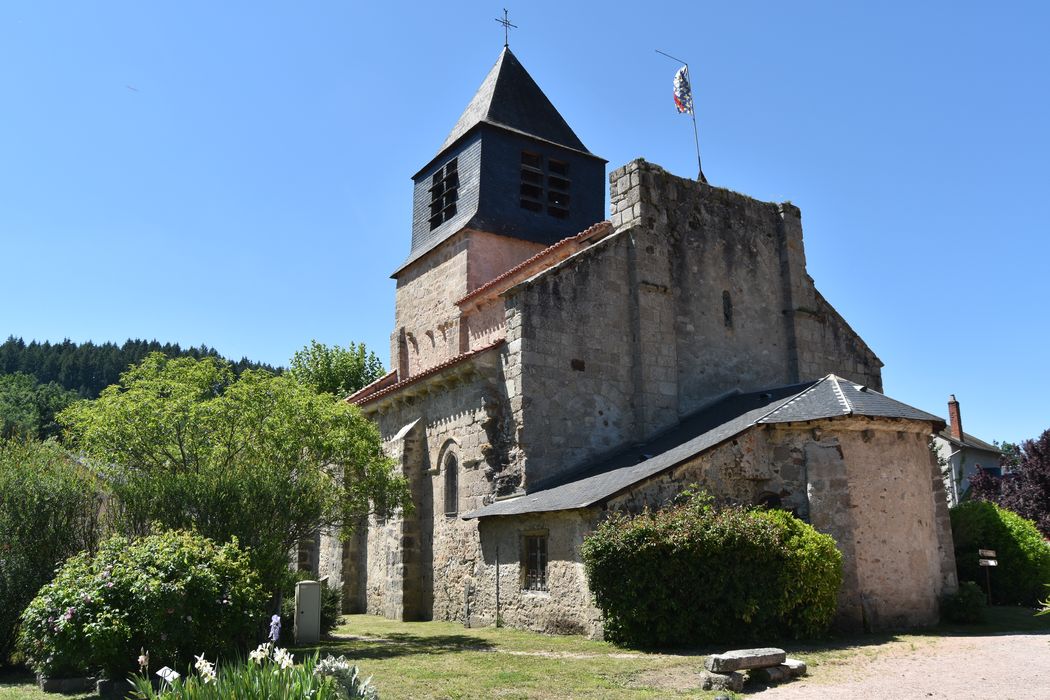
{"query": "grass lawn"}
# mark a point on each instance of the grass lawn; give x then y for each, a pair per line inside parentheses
(446, 660)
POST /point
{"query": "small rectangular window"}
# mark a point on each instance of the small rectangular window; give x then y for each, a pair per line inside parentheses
(532, 160)
(535, 563)
(558, 167)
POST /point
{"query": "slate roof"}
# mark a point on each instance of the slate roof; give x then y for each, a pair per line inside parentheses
(830, 397)
(511, 99)
(969, 441)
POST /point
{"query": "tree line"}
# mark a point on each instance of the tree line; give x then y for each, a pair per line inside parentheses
(38, 380)
(87, 368)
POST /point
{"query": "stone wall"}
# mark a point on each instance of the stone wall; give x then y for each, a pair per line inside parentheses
(419, 566)
(572, 388)
(566, 607)
(700, 291)
(867, 483)
(427, 322)
(747, 313)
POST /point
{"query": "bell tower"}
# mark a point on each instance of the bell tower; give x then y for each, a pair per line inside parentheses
(510, 179)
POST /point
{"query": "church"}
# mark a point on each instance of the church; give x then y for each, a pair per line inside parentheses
(550, 367)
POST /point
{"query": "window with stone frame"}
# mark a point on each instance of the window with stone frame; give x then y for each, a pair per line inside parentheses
(544, 185)
(444, 193)
(534, 561)
(451, 467)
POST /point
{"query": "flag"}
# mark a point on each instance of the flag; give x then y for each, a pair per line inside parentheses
(683, 94)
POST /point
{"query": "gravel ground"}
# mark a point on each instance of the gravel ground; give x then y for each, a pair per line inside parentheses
(1004, 667)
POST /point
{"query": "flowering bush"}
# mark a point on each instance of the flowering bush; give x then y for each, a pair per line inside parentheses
(175, 594)
(270, 673)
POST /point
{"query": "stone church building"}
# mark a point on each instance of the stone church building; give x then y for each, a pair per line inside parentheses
(550, 366)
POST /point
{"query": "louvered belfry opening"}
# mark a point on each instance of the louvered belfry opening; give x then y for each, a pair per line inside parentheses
(444, 192)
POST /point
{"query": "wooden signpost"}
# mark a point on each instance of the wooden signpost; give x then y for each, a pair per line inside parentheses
(987, 560)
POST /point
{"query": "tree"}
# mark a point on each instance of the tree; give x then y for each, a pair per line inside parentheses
(336, 370)
(49, 510)
(260, 457)
(1024, 488)
(28, 409)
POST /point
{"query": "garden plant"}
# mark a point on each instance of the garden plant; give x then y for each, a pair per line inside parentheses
(693, 573)
(1022, 554)
(176, 594)
(49, 510)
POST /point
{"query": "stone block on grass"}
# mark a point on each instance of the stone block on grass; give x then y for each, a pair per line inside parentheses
(771, 674)
(744, 659)
(722, 681)
(797, 667)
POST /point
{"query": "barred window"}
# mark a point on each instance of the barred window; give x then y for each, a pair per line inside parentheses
(535, 563)
(444, 192)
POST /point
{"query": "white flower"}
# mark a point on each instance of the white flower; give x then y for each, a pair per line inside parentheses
(282, 658)
(205, 668)
(261, 653)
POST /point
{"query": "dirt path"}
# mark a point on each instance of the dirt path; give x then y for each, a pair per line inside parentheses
(1005, 667)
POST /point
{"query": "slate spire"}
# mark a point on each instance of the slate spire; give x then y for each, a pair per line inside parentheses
(511, 99)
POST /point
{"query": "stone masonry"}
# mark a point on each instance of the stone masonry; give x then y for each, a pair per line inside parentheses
(536, 362)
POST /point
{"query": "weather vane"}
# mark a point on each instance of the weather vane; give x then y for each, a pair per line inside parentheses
(507, 26)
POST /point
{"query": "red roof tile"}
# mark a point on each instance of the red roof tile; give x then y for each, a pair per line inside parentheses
(600, 227)
(422, 375)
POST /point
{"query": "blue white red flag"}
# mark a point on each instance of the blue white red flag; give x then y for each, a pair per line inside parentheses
(683, 94)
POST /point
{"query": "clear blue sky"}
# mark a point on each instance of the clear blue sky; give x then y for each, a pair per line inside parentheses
(237, 173)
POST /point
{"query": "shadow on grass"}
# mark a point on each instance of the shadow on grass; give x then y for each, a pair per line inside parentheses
(11, 676)
(395, 644)
(1000, 620)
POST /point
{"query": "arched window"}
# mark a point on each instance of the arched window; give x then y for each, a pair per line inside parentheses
(451, 467)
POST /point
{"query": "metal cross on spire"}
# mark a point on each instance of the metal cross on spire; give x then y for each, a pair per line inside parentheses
(507, 26)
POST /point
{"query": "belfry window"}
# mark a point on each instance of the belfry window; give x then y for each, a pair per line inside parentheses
(444, 192)
(451, 484)
(535, 564)
(544, 186)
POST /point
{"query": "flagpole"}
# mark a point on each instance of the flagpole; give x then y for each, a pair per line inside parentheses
(692, 113)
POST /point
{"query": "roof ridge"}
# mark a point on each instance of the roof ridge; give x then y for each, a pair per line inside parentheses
(840, 394)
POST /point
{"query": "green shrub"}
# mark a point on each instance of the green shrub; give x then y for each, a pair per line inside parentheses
(270, 674)
(966, 606)
(1022, 553)
(692, 573)
(49, 507)
(174, 594)
(331, 605)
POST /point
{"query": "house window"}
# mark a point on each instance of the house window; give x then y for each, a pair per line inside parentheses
(451, 484)
(544, 186)
(444, 192)
(535, 563)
